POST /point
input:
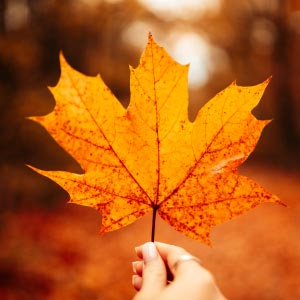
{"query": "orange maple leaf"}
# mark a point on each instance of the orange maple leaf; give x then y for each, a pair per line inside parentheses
(150, 157)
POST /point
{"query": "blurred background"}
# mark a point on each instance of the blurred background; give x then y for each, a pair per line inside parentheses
(51, 250)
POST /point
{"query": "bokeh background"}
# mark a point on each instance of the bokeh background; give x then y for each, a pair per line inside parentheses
(52, 250)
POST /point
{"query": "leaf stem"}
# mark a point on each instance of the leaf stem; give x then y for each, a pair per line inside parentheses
(155, 207)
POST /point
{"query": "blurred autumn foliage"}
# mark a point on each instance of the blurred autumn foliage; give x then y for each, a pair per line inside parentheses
(227, 40)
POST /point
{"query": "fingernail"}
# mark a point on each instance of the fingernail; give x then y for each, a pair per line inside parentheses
(149, 252)
(134, 263)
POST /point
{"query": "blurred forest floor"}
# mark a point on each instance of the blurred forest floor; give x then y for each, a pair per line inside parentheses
(57, 254)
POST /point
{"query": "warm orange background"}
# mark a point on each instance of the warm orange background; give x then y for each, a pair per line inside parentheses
(50, 250)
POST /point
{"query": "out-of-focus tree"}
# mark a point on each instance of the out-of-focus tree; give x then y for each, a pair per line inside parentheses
(262, 39)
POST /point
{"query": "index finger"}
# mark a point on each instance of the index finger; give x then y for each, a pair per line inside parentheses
(171, 256)
(189, 275)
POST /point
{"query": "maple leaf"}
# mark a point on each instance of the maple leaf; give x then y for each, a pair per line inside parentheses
(150, 157)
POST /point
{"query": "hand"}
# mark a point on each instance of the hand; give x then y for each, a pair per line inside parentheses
(160, 261)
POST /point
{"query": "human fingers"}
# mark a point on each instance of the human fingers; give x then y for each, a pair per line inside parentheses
(137, 267)
(154, 273)
(169, 253)
(137, 282)
(138, 251)
(175, 256)
(190, 277)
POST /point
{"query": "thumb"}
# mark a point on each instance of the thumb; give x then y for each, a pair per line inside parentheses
(154, 271)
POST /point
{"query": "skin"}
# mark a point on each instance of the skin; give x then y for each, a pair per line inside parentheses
(158, 265)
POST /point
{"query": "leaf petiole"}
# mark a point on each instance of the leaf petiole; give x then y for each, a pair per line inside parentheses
(155, 208)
